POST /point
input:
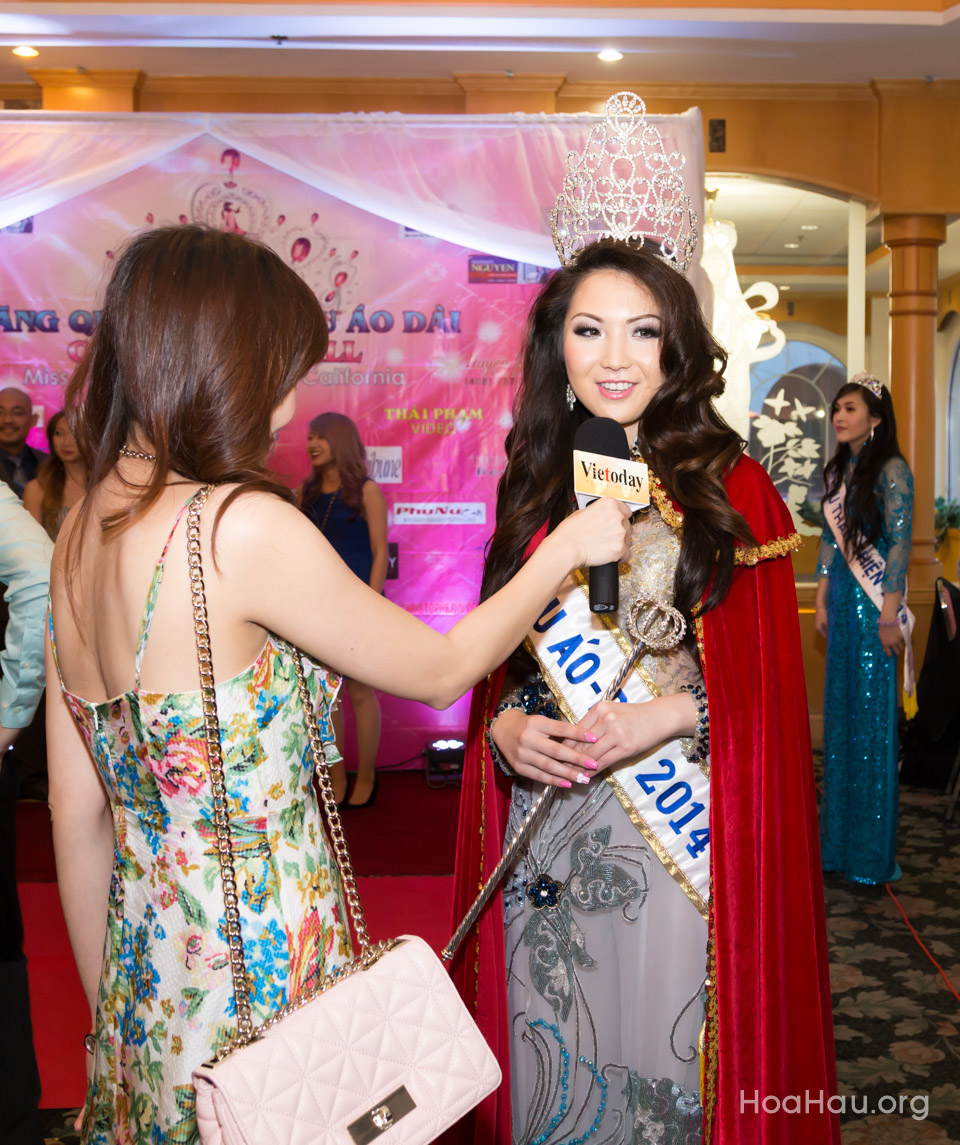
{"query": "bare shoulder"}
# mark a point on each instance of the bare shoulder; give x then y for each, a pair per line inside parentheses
(241, 512)
(372, 493)
(256, 526)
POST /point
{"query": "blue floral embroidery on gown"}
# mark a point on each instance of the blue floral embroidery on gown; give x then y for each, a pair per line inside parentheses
(858, 813)
(606, 956)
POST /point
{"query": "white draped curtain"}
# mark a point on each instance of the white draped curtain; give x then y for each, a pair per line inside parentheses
(483, 182)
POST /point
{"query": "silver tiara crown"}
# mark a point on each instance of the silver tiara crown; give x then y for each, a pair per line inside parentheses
(874, 385)
(625, 186)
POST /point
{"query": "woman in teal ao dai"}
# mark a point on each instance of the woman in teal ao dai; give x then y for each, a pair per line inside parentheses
(190, 373)
(858, 813)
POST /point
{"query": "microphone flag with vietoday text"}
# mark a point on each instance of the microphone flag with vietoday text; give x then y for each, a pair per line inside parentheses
(603, 468)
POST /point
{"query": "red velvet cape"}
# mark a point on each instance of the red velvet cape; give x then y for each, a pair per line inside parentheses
(770, 1032)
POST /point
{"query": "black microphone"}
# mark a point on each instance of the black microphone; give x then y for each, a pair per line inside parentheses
(605, 436)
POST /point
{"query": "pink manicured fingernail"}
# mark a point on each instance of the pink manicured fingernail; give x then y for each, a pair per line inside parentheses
(564, 783)
(591, 738)
(582, 777)
(591, 763)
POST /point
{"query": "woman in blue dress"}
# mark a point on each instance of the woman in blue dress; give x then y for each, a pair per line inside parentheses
(869, 498)
(347, 506)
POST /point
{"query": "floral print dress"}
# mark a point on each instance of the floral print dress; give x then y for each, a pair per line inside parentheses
(166, 998)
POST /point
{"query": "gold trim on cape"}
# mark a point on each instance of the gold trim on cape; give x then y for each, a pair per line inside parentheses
(776, 548)
(665, 507)
(483, 842)
(708, 1095)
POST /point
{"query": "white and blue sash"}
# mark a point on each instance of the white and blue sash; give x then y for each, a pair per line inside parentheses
(666, 796)
(868, 568)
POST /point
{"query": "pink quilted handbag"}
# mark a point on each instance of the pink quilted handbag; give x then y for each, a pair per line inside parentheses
(392, 1053)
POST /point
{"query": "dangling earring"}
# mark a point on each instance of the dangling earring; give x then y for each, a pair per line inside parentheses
(872, 429)
(571, 398)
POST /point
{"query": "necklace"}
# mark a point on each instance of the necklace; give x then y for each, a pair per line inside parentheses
(137, 454)
(326, 516)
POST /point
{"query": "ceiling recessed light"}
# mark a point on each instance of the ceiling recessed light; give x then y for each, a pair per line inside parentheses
(809, 227)
(791, 246)
(25, 51)
(609, 55)
(783, 288)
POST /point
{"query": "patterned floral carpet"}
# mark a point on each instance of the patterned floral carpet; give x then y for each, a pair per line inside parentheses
(897, 1025)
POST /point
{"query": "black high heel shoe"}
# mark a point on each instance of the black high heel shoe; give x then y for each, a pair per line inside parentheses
(369, 801)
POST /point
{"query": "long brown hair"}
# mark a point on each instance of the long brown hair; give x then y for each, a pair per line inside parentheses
(343, 437)
(863, 513)
(688, 444)
(52, 477)
(201, 336)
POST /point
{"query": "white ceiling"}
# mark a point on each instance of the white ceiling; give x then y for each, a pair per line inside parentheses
(720, 45)
(769, 214)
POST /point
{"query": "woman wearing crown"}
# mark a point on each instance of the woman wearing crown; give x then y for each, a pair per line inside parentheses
(861, 587)
(654, 964)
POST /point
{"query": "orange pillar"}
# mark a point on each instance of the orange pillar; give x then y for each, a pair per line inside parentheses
(913, 241)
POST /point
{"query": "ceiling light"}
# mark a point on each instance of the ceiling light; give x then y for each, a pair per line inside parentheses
(791, 246)
(609, 55)
(783, 288)
(26, 52)
(809, 227)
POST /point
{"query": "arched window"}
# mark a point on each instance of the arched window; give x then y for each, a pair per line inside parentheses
(791, 434)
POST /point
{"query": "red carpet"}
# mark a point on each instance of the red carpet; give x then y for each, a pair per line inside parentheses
(58, 1007)
(402, 848)
(410, 830)
(34, 844)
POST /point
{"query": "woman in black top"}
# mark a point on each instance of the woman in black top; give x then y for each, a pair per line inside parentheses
(347, 506)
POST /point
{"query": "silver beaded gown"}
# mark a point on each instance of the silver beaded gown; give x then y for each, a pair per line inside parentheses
(605, 986)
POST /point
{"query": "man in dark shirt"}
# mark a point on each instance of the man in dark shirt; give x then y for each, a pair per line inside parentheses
(18, 461)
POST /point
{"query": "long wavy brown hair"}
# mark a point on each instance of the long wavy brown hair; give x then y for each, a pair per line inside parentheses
(202, 334)
(343, 437)
(683, 438)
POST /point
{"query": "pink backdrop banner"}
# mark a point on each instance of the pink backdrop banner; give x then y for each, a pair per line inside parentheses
(424, 340)
(425, 331)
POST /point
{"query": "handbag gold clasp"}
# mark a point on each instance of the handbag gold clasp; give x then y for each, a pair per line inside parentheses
(382, 1117)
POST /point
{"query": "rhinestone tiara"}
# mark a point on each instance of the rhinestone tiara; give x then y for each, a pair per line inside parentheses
(874, 385)
(626, 187)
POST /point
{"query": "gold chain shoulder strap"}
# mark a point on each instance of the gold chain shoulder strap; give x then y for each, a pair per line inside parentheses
(334, 826)
(221, 820)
